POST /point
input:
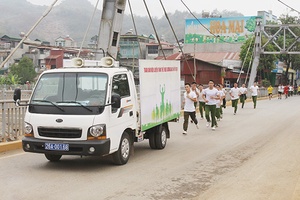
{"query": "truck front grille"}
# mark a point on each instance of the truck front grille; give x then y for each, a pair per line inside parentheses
(60, 132)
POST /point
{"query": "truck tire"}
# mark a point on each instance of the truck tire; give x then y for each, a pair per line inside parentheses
(121, 156)
(152, 139)
(53, 157)
(161, 137)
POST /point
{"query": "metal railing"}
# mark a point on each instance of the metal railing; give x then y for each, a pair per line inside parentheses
(12, 117)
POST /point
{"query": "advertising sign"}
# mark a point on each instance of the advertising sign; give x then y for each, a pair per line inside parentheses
(231, 29)
(159, 92)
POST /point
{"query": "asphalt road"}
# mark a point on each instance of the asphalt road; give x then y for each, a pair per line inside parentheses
(252, 155)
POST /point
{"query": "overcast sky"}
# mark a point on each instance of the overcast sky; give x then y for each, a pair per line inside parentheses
(248, 7)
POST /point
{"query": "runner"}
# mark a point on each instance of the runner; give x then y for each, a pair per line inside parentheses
(196, 90)
(234, 94)
(291, 88)
(210, 96)
(270, 92)
(201, 101)
(222, 97)
(219, 112)
(280, 91)
(254, 90)
(286, 91)
(189, 109)
(243, 96)
(298, 90)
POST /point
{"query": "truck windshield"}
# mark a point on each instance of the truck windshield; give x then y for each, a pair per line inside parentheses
(71, 89)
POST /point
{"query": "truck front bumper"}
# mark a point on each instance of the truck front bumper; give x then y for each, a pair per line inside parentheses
(98, 147)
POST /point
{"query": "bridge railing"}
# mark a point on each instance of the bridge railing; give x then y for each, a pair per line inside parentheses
(12, 117)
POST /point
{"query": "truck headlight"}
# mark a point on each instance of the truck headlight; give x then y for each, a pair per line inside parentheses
(27, 128)
(97, 130)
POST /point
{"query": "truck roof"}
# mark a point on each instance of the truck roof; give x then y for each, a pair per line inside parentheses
(110, 70)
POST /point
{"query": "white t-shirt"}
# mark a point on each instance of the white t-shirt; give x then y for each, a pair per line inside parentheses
(189, 104)
(280, 88)
(254, 90)
(219, 102)
(234, 93)
(243, 90)
(200, 97)
(210, 94)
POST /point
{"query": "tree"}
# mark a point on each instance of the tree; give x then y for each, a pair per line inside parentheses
(291, 60)
(24, 70)
(266, 61)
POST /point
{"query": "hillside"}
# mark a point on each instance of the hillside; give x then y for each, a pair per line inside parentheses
(72, 19)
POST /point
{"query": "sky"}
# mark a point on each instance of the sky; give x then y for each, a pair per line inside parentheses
(246, 7)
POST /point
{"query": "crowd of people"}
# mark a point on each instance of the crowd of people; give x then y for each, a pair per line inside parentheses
(211, 102)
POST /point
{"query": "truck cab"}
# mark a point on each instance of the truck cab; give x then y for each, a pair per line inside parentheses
(82, 111)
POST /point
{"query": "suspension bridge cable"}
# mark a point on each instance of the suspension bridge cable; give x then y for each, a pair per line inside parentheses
(28, 33)
(146, 6)
(88, 28)
(134, 25)
(249, 67)
(172, 28)
(245, 59)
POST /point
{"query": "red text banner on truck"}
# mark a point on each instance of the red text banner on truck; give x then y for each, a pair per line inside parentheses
(159, 92)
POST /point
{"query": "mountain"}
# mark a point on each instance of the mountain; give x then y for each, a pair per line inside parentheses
(69, 18)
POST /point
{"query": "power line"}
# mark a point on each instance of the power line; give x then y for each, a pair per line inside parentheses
(293, 9)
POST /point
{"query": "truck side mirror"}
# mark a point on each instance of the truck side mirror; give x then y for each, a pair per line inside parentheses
(17, 94)
(116, 101)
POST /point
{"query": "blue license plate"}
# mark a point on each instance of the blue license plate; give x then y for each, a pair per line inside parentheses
(56, 147)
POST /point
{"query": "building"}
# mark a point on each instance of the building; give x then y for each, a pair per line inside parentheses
(65, 42)
(220, 67)
(267, 16)
(132, 48)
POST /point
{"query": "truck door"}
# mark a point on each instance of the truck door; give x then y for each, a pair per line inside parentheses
(123, 117)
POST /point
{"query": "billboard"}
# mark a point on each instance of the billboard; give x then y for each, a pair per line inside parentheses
(160, 98)
(231, 29)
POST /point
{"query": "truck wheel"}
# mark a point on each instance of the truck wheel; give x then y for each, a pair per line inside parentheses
(52, 157)
(121, 157)
(152, 140)
(161, 137)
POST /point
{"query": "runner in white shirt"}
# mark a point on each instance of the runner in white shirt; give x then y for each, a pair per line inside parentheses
(211, 97)
(189, 108)
(223, 100)
(280, 91)
(219, 103)
(243, 96)
(234, 94)
(201, 100)
(254, 90)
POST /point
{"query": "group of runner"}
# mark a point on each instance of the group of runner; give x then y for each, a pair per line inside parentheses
(212, 101)
(287, 91)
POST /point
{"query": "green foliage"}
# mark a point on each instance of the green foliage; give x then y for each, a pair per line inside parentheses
(9, 79)
(24, 70)
(265, 83)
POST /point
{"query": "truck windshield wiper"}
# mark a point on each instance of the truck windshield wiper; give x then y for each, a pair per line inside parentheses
(76, 102)
(46, 101)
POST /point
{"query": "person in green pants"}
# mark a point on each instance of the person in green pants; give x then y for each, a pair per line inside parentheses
(243, 95)
(235, 94)
(211, 97)
(254, 90)
(201, 100)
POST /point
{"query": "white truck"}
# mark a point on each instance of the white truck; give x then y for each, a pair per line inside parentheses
(98, 111)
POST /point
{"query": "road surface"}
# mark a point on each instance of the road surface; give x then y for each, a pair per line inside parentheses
(252, 155)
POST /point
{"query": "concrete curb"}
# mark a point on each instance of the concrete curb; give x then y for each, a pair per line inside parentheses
(9, 146)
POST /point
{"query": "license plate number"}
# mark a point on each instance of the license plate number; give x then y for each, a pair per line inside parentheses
(56, 147)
